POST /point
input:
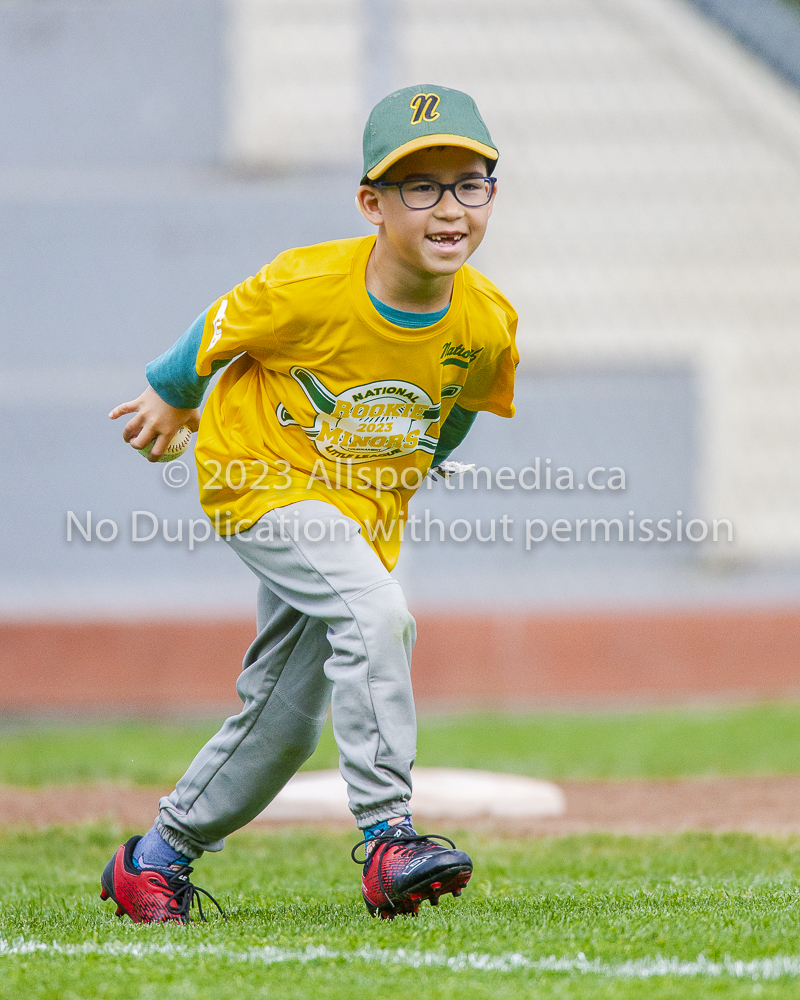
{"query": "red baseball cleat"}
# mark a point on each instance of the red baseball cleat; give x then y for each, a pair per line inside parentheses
(403, 868)
(150, 895)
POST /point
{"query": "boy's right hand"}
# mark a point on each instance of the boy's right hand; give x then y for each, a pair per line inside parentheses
(154, 419)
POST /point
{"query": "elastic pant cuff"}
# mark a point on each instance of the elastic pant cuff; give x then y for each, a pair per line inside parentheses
(177, 843)
(364, 820)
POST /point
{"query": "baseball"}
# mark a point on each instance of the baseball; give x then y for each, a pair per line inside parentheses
(176, 447)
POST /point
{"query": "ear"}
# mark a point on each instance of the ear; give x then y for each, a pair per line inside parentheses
(369, 204)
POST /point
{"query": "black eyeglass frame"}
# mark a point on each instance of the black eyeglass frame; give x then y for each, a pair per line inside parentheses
(444, 187)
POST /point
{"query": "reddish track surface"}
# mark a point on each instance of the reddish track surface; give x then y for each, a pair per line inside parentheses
(460, 660)
(758, 805)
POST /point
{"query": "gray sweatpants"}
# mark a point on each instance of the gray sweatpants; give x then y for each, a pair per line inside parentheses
(333, 628)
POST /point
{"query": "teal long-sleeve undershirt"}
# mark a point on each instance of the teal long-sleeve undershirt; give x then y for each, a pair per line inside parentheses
(174, 377)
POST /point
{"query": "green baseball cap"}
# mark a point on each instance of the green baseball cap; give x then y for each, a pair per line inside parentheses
(418, 117)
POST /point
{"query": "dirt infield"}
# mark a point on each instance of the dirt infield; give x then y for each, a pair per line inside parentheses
(769, 805)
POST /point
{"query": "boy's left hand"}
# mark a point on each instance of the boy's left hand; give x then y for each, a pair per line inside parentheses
(154, 419)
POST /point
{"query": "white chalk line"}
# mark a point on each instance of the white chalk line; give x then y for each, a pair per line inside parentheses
(776, 967)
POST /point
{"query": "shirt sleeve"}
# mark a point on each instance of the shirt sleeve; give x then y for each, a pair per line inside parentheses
(490, 381)
(454, 430)
(490, 386)
(174, 375)
(238, 323)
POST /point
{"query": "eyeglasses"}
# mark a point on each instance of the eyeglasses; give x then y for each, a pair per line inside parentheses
(473, 192)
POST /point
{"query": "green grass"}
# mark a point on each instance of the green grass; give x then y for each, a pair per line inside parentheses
(614, 899)
(761, 739)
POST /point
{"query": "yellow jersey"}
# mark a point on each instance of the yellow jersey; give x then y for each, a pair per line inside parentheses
(328, 400)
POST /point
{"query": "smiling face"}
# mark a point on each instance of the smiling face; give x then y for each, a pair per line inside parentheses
(430, 242)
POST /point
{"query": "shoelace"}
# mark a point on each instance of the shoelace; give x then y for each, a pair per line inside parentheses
(384, 841)
(185, 894)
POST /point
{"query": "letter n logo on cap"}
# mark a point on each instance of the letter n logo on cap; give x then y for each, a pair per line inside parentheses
(424, 106)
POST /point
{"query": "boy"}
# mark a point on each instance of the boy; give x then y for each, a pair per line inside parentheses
(358, 364)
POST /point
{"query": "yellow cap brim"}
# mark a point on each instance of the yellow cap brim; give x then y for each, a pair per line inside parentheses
(424, 142)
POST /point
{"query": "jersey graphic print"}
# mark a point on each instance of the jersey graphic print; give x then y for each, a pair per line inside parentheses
(458, 355)
(223, 308)
(385, 419)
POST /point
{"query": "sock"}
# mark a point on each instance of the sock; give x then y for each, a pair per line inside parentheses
(153, 851)
(403, 827)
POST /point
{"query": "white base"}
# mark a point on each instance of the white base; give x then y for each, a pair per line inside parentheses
(439, 793)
